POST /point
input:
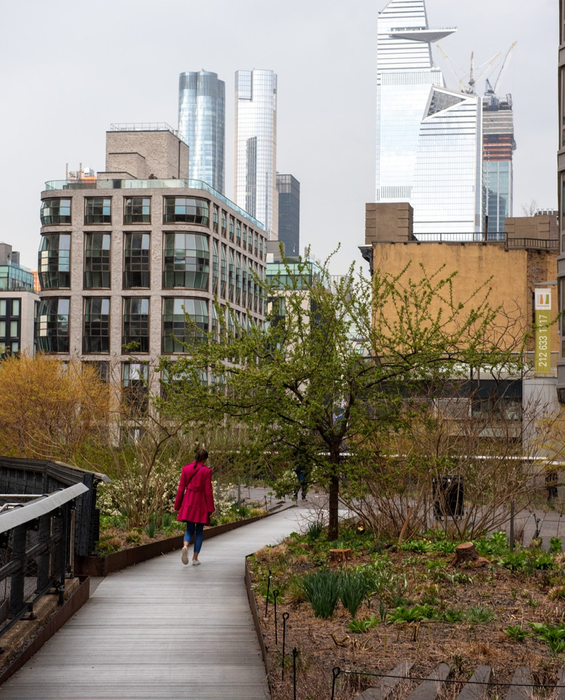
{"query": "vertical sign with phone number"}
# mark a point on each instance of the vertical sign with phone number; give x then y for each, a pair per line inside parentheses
(543, 338)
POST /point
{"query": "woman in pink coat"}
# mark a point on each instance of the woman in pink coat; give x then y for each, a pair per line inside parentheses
(195, 503)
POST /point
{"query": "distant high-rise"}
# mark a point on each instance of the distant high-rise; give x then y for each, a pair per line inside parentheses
(202, 125)
(428, 137)
(255, 182)
(289, 213)
(498, 146)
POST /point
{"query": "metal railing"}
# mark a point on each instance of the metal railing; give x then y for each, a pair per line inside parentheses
(36, 551)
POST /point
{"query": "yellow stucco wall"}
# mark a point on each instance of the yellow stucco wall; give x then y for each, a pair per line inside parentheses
(514, 273)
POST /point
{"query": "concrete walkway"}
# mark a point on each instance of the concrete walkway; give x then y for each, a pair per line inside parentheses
(162, 630)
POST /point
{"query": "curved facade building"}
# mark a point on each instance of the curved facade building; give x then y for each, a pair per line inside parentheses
(256, 146)
(202, 115)
(123, 258)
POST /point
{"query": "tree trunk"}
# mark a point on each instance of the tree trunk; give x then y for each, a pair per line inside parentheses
(333, 528)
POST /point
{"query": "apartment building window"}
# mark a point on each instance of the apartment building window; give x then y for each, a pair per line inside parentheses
(137, 210)
(53, 325)
(55, 211)
(176, 334)
(186, 261)
(231, 276)
(96, 325)
(135, 330)
(224, 223)
(97, 260)
(250, 240)
(243, 281)
(238, 233)
(10, 326)
(244, 239)
(187, 210)
(98, 210)
(232, 228)
(238, 278)
(215, 267)
(224, 273)
(215, 218)
(54, 261)
(137, 266)
(135, 385)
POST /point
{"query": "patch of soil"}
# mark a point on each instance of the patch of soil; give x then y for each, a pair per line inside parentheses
(322, 645)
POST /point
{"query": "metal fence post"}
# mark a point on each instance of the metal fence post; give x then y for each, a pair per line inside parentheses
(19, 537)
(43, 559)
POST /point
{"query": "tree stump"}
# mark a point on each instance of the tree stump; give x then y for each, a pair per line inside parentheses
(340, 555)
(467, 554)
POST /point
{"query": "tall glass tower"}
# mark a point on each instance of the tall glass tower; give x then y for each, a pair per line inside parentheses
(420, 126)
(289, 213)
(255, 181)
(202, 125)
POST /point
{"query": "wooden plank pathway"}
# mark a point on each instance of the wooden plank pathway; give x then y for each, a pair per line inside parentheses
(162, 630)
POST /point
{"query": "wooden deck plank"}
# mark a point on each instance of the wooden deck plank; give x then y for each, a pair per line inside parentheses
(523, 678)
(480, 677)
(161, 630)
(386, 685)
(431, 687)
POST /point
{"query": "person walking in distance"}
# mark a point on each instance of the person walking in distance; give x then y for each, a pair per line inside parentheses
(195, 503)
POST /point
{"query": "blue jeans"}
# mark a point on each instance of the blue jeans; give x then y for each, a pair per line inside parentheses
(190, 527)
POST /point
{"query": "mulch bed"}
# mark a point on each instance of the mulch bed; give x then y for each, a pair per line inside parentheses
(513, 597)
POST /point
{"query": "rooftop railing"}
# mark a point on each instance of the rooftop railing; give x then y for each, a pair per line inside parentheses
(154, 183)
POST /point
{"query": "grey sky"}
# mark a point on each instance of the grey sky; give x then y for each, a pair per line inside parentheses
(69, 69)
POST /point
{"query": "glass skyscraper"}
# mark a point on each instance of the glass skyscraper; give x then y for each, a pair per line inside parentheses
(428, 137)
(202, 125)
(255, 181)
(289, 213)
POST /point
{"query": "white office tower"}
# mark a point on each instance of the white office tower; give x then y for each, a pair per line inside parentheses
(256, 146)
(428, 137)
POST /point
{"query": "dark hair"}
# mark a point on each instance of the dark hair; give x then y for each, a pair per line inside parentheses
(201, 455)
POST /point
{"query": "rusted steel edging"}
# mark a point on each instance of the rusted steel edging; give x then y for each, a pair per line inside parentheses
(256, 621)
(102, 566)
(71, 605)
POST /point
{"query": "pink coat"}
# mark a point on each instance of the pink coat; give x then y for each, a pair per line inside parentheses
(195, 503)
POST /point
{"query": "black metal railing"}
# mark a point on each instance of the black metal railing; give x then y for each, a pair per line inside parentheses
(37, 477)
(36, 551)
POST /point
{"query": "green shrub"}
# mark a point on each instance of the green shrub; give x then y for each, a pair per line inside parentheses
(513, 561)
(516, 633)
(479, 615)
(414, 614)
(363, 625)
(321, 590)
(352, 590)
(496, 545)
(552, 635)
(555, 545)
(452, 615)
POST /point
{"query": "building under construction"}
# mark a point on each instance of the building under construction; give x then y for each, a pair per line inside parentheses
(498, 147)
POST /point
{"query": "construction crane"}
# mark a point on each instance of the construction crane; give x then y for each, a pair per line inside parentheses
(467, 84)
(504, 66)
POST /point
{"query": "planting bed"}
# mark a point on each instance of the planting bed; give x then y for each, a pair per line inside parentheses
(417, 607)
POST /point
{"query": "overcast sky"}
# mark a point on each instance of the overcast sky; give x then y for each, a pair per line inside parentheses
(69, 69)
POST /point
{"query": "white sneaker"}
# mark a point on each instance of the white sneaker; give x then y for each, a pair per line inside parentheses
(184, 555)
(196, 562)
